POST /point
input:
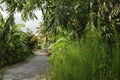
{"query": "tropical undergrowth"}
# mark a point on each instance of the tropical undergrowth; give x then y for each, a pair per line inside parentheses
(93, 28)
(15, 44)
(93, 54)
(86, 59)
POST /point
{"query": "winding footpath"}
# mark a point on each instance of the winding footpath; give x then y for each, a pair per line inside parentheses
(30, 69)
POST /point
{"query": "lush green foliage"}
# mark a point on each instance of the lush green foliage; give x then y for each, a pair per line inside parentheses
(95, 24)
(14, 44)
(62, 17)
(96, 55)
(87, 59)
(57, 46)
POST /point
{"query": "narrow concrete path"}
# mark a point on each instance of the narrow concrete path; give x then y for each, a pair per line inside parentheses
(27, 70)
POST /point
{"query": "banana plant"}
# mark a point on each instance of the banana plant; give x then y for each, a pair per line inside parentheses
(14, 43)
(4, 34)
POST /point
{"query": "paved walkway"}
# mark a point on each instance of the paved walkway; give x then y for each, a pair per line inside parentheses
(28, 70)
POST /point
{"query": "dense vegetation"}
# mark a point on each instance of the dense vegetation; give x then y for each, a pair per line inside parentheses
(90, 32)
(14, 44)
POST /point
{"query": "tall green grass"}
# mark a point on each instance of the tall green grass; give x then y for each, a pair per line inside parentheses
(87, 59)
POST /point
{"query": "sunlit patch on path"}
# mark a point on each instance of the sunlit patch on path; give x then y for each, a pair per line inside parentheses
(28, 70)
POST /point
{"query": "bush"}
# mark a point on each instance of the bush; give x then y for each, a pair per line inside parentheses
(13, 52)
(14, 47)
